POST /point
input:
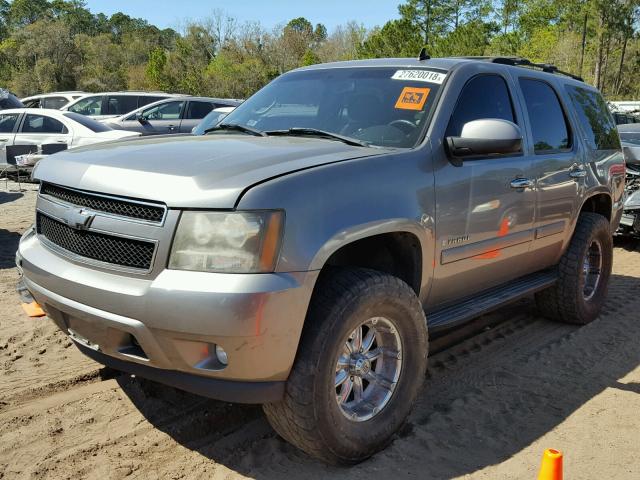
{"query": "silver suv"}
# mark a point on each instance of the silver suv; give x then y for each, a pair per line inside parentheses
(300, 253)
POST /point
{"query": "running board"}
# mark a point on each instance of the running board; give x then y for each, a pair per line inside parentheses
(484, 302)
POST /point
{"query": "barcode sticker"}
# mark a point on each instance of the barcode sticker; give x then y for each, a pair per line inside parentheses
(420, 76)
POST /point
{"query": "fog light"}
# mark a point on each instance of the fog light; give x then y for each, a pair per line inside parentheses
(221, 355)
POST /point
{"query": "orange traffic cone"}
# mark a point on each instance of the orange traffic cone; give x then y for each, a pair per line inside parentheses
(551, 468)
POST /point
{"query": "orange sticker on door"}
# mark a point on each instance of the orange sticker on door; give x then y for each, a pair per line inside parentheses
(412, 98)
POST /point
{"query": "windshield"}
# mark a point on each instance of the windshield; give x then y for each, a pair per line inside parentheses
(90, 123)
(385, 107)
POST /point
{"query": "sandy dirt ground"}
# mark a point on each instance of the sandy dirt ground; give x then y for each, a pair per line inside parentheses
(490, 405)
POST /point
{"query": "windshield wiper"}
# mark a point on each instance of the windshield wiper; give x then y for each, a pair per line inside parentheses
(314, 132)
(237, 127)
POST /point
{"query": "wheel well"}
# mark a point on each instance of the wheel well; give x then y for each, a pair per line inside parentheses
(600, 204)
(397, 254)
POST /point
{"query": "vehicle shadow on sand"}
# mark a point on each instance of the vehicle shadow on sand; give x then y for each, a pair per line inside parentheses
(484, 400)
(8, 246)
(6, 197)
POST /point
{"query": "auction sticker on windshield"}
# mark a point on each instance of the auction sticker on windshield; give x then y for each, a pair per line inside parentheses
(420, 76)
(412, 98)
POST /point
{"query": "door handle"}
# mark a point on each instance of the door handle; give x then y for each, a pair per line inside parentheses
(521, 183)
(577, 171)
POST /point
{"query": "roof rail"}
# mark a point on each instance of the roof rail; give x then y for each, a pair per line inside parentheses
(523, 62)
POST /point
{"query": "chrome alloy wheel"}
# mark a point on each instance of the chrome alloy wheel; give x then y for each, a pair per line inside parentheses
(592, 269)
(368, 369)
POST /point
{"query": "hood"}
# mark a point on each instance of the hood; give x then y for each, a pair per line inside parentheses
(208, 171)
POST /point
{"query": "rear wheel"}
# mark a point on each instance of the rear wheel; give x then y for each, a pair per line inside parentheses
(360, 365)
(583, 274)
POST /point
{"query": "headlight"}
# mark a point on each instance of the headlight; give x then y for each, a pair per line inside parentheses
(236, 242)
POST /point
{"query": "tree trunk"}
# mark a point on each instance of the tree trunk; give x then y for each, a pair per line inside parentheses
(606, 64)
(618, 82)
(600, 53)
(584, 41)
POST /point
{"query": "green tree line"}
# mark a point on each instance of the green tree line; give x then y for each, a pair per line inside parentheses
(48, 45)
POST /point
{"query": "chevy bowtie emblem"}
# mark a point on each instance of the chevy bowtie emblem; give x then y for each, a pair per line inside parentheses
(78, 218)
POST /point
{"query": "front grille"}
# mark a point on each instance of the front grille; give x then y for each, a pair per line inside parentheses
(125, 252)
(99, 203)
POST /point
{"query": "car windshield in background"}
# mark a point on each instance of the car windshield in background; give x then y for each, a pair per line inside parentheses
(90, 123)
(385, 107)
(209, 121)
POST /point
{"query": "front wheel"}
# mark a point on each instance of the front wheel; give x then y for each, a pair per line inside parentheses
(583, 274)
(360, 364)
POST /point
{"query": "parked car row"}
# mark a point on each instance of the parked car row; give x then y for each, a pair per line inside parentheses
(60, 120)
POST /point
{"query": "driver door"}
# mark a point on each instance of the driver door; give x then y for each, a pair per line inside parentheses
(162, 119)
(484, 224)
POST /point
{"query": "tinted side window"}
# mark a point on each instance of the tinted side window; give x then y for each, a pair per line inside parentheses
(54, 103)
(598, 125)
(7, 122)
(42, 124)
(548, 123)
(164, 111)
(146, 100)
(121, 104)
(198, 110)
(484, 96)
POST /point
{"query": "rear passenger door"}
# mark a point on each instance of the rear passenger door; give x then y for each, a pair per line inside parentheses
(195, 112)
(557, 166)
(483, 222)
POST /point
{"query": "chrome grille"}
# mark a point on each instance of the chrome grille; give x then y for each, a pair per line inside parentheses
(106, 204)
(125, 252)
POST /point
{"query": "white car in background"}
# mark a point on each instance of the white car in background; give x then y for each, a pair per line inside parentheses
(51, 130)
(53, 100)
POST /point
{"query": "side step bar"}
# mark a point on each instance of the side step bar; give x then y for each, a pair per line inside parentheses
(484, 302)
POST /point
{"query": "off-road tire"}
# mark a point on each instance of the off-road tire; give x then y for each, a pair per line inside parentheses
(565, 301)
(309, 416)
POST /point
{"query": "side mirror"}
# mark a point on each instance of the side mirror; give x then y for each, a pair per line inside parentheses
(489, 136)
(141, 118)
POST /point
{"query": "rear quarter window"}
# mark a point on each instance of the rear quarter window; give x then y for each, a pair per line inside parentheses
(596, 120)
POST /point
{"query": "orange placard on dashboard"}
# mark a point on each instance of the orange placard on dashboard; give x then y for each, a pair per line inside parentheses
(412, 98)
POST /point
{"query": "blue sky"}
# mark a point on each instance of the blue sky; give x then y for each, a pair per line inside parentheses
(172, 13)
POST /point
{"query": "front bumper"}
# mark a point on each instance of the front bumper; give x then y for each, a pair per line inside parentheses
(160, 327)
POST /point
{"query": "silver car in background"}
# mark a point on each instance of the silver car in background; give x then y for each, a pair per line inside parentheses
(105, 105)
(169, 116)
